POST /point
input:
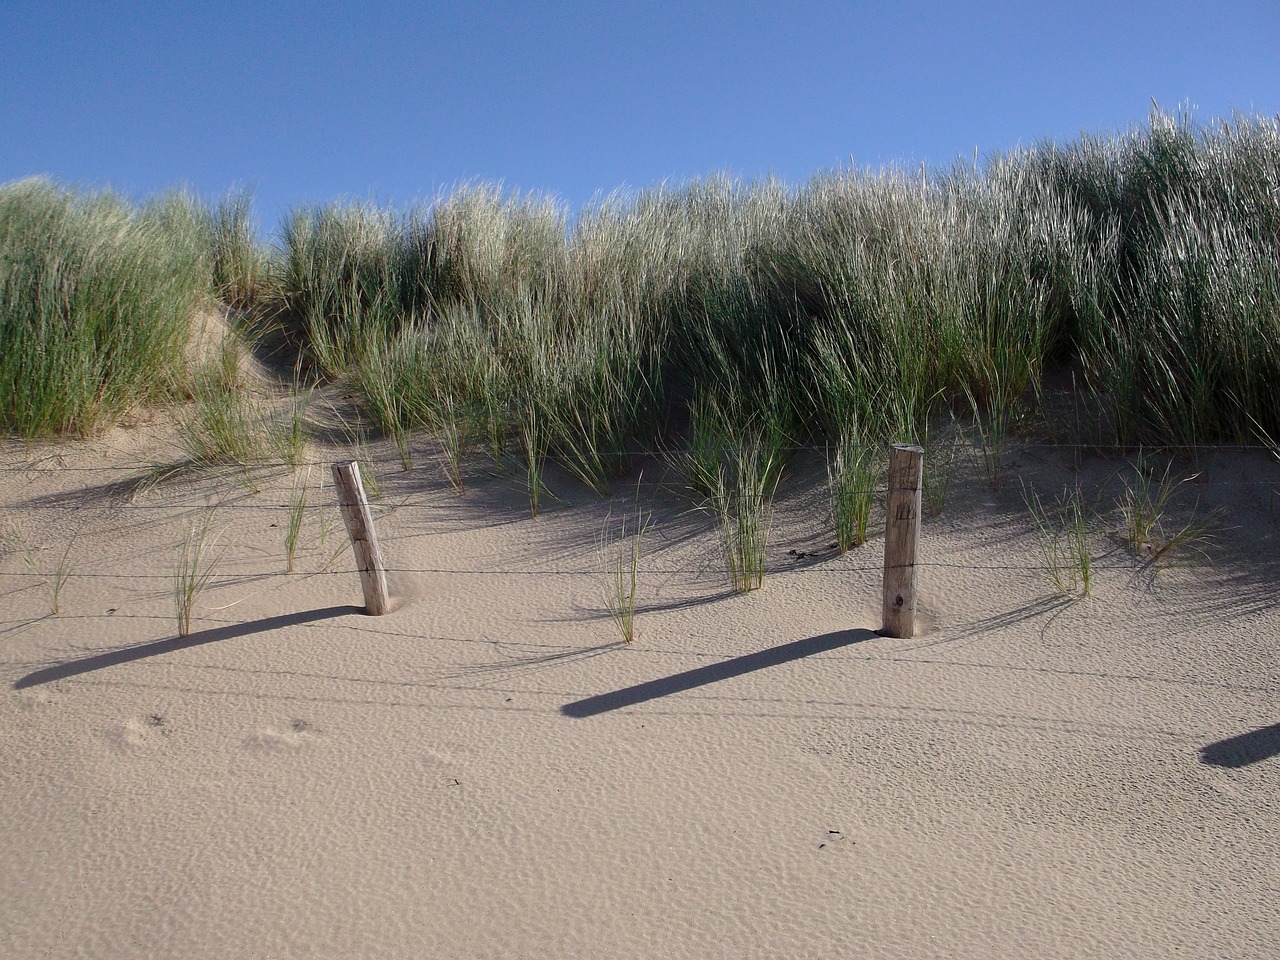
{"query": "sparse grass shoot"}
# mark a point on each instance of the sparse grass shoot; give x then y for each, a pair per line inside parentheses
(1145, 509)
(55, 576)
(1062, 535)
(851, 479)
(620, 550)
(744, 505)
(197, 563)
(297, 511)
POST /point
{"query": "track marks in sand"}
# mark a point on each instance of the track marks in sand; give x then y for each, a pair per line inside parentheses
(146, 732)
(138, 733)
(295, 736)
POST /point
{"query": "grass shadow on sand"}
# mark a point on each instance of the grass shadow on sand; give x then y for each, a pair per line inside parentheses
(156, 648)
(1240, 751)
(714, 673)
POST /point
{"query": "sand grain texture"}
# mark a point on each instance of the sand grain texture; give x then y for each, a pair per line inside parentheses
(488, 772)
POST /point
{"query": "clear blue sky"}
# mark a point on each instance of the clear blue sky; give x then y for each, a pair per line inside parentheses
(308, 102)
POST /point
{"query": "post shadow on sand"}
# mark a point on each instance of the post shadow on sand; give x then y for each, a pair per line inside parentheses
(714, 673)
(1242, 750)
(114, 658)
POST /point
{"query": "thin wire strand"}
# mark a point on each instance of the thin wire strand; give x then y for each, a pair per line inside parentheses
(701, 568)
(1012, 447)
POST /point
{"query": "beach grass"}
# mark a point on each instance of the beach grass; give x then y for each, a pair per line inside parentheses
(1062, 536)
(852, 475)
(621, 546)
(1146, 509)
(54, 575)
(96, 300)
(698, 317)
(196, 566)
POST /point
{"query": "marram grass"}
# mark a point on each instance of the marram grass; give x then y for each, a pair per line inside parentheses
(96, 299)
(1146, 265)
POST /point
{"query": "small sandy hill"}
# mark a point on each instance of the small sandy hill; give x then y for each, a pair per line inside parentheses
(488, 771)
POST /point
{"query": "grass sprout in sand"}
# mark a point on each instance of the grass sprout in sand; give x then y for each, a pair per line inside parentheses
(297, 510)
(852, 472)
(533, 442)
(196, 566)
(54, 576)
(620, 549)
(744, 507)
(1062, 534)
(941, 444)
(224, 426)
(1145, 508)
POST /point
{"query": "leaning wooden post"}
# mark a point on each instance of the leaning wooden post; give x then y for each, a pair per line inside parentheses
(901, 540)
(364, 538)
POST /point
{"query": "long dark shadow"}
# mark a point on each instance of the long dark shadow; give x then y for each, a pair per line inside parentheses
(115, 658)
(714, 673)
(1247, 748)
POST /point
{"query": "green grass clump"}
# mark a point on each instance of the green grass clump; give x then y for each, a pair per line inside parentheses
(1062, 535)
(95, 305)
(851, 479)
(1146, 507)
(197, 564)
(620, 551)
(743, 503)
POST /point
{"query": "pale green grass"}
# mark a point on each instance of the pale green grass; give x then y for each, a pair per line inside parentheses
(1146, 507)
(197, 564)
(621, 545)
(54, 573)
(852, 473)
(296, 513)
(95, 305)
(1062, 535)
(1146, 262)
(744, 507)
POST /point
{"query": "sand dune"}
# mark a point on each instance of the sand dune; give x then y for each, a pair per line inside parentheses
(488, 771)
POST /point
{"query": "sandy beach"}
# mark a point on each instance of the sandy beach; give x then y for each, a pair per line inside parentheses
(489, 771)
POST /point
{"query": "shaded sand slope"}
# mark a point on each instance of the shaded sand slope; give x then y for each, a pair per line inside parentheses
(488, 772)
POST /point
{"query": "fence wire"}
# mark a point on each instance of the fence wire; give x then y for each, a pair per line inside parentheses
(112, 506)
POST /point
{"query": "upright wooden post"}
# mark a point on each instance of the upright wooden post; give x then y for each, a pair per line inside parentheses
(901, 540)
(364, 538)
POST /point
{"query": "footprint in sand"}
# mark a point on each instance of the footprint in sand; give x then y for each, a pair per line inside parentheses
(30, 702)
(137, 733)
(290, 737)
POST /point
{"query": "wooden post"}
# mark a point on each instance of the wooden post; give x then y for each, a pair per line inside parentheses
(901, 540)
(364, 538)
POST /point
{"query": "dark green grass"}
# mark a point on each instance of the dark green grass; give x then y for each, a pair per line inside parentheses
(1145, 265)
(95, 305)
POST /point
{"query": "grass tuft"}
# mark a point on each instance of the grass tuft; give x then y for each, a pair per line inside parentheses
(743, 503)
(1062, 534)
(620, 555)
(852, 473)
(297, 511)
(53, 577)
(196, 566)
(1145, 508)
